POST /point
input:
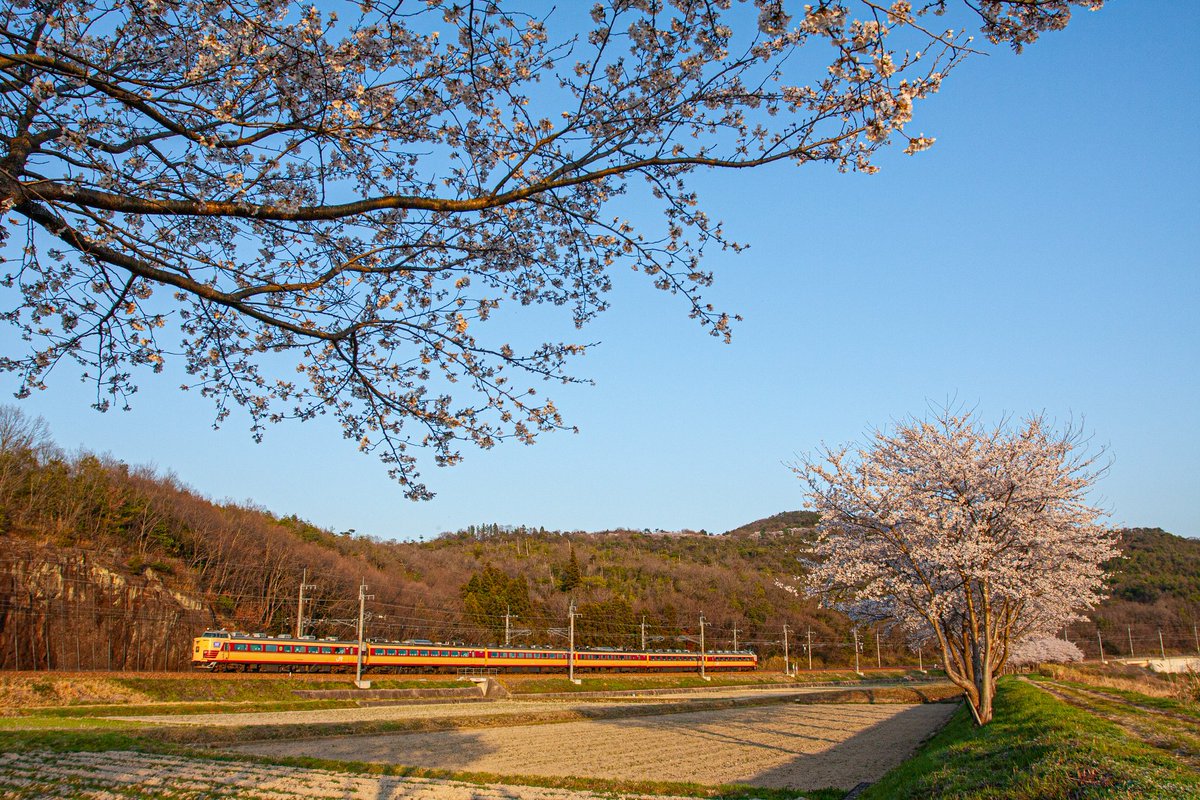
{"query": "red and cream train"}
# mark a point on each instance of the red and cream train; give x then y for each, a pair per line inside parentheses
(221, 651)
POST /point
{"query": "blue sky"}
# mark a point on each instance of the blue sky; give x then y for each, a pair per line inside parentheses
(1040, 257)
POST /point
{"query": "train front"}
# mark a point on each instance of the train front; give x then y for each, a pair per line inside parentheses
(207, 649)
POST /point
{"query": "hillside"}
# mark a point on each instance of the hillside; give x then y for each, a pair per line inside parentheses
(109, 566)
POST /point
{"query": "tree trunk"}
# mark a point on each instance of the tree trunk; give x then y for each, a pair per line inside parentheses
(985, 684)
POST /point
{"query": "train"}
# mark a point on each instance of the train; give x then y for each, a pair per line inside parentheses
(224, 651)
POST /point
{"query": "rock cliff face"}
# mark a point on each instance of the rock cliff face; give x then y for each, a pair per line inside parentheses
(70, 609)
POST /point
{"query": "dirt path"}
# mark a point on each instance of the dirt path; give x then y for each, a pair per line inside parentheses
(1175, 733)
(113, 775)
(778, 746)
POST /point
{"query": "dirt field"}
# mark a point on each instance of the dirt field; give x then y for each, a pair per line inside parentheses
(516, 707)
(112, 775)
(778, 746)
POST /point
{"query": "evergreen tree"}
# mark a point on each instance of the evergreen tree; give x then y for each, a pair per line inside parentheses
(571, 576)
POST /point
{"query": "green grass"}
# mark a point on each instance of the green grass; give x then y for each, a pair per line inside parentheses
(1036, 747)
(157, 709)
(1150, 701)
(53, 722)
(250, 688)
(550, 684)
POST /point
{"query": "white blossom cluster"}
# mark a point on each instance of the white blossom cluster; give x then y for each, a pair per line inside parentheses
(1044, 650)
(974, 537)
(331, 209)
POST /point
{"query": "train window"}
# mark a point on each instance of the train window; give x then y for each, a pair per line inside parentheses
(239, 646)
(312, 648)
(216, 645)
(493, 654)
(425, 652)
(272, 648)
(327, 650)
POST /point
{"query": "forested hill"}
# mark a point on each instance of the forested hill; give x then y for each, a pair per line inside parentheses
(104, 565)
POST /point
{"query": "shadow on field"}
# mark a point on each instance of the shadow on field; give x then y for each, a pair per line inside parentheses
(801, 746)
(862, 758)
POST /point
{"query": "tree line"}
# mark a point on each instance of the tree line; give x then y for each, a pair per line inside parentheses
(98, 552)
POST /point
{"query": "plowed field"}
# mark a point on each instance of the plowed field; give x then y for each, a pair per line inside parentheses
(779, 746)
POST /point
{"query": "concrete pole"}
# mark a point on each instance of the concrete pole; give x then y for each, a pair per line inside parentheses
(787, 669)
(878, 658)
(810, 649)
(856, 669)
(1129, 631)
(571, 654)
(735, 633)
(1161, 646)
(702, 647)
(304, 585)
(643, 633)
(1101, 641)
(362, 608)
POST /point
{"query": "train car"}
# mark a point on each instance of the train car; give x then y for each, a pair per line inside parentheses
(223, 651)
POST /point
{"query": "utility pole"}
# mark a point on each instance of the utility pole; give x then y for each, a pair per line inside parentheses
(810, 649)
(571, 654)
(787, 667)
(1161, 646)
(1101, 641)
(702, 648)
(507, 614)
(1129, 631)
(304, 585)
(1196, 635)
(735, 633)
(856, 669)
(643, 633)
(878, 658)
(363, 597)
(920, 660)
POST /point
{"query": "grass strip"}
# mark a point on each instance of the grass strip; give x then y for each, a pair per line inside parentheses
(1037, 747)
(257, 688)
(522, 684)
(163, 709)
(1191, 710)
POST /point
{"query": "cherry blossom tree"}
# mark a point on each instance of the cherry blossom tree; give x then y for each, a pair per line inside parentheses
(973, 537)
(1044, 650)
(341, 208)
